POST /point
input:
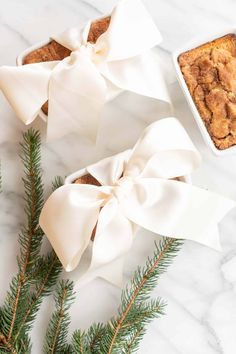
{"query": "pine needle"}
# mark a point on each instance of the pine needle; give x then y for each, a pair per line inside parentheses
(57, 183)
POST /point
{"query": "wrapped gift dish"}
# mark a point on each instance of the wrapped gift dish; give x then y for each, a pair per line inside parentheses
(68, 79)
(147, 187)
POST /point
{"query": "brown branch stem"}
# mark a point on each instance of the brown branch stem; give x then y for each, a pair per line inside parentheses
(14, 310)
(23, 271)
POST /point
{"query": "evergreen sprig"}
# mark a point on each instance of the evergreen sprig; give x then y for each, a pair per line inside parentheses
(19, 295)
(31, 236)
(36, 274)
(123, 333)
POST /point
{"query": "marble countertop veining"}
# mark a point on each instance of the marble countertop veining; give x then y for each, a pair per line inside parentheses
(200, 287)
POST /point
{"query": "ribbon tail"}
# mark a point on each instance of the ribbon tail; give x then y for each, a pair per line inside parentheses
(141, 74)
(130, 33)
(113, 272)
(26, 88)
(77, 93)
(176, 209)
(113, 239)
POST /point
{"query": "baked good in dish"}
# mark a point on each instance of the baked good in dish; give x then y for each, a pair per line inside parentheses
(210, 74)
(55, 51)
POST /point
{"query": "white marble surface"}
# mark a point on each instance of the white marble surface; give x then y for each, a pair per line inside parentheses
(200, 286)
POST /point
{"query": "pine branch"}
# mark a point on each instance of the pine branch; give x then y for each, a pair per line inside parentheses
(31, 236)
(37, 274)
(18, 297)
(122, 335)
(57, 331)
(135, 310)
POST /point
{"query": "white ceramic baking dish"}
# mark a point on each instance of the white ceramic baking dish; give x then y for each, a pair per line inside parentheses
(191, 45)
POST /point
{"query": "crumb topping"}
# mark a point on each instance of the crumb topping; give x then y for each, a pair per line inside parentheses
(210, 74)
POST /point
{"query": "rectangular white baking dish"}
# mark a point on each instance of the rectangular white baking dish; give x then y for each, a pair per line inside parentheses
(191, 45)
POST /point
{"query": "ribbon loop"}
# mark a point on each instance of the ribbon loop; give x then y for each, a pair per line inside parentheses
(164, 150)
(137, 190)
(130, 38)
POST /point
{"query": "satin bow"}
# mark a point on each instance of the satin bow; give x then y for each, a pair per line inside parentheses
(138, 188)
(78, 86)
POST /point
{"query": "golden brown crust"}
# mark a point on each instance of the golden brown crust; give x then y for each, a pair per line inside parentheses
(49, 52)
(55, 51)
(97, 28)
(45, 107)
(87, 179)
(210, 74)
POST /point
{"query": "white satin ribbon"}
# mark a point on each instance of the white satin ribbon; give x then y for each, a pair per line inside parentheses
(78, 86)
(137, 189)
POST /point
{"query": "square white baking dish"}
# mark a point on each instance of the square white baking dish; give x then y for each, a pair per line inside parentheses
(191, 45)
